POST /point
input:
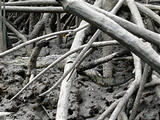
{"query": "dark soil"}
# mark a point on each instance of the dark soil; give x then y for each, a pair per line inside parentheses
(87, 101)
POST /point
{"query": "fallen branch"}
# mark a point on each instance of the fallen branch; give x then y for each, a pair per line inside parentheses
(70, 67)
(107, 81)
(108, 110)
(140, 92)
(148, 35)
(153, 7)
(65, 88)
(117, 7)
(110, 27)
(40, 38)
(32, 2)
(102, 60)
(76, 63)
(18, 34)
(148, 12)
(43, 62)
(34, 9)
(138, 70)
(57, 61)
(138, 20)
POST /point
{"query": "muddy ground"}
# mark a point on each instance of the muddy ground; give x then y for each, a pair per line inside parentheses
(87, 101)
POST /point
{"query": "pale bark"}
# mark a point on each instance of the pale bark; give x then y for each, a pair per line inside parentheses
(110, 27)
(69, 74)
(137, 62)
(117, 6)
(51, 35)
(32, 2)
(107, 67)
(108, 110)
(60, 59)
(18, 34)
(138, 20)
(140, 92)
(62, 110)
(39, 26)
(102, 60)
(34, 9)
(153, 7)
(148, 12)
(14, 30)
(148, 35)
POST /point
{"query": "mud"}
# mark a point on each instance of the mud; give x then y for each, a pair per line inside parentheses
(87, 101)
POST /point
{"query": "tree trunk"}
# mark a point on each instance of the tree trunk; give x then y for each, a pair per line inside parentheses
(107, 67)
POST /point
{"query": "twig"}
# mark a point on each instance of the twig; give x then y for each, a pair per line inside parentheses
(60, 59)
(18, 20)
(32, 62)
(75, 64)
(32, 41)
(102, 60)
(108, 110)
(135, 13)
(141, 49)
(117, 6)
(148, 12)
(148, 35)
(138, 20)
(38, 39)
(140, 91)
(19, 35)
(38, 26)
(46, 111)
(62, 109)
(137, 62)
(69, 19)
(134, 85)
(123, 58)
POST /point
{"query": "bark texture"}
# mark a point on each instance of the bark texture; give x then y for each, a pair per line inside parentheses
(107, 67)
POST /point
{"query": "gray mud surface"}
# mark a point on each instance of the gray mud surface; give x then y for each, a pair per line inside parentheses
(87, 101)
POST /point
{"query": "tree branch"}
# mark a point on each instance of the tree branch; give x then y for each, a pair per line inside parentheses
(110, 27)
